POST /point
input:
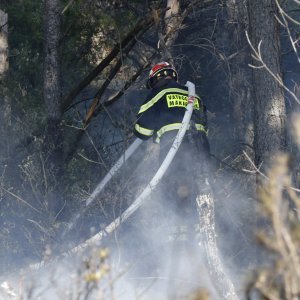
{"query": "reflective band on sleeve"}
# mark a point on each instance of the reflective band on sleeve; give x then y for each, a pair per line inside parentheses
(152, 101)
(175, 126)
(164, 129)
(200, 127)
(143, 131)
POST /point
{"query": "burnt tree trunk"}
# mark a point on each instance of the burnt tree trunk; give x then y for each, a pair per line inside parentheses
(53, 142)
(269, 105)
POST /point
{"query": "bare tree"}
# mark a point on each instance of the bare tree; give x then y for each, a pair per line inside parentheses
(53, 144)
(269, 105)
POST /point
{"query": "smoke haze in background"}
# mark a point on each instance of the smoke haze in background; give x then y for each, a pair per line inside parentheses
(145, 256)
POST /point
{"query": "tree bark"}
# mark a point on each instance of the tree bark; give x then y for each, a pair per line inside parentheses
(240, 90)
(5, 105)
(53, 143)
(168, 30)
(171, 21)
(240, 77)
(269, 105)
(3, 43)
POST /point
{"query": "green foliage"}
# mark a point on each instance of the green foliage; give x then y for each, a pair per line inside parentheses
(87, 33)
(25, 23)
(25, 54)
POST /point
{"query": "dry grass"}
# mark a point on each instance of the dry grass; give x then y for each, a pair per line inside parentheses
(280, 235)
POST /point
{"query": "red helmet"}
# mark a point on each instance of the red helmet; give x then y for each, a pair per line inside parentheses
(160, 70)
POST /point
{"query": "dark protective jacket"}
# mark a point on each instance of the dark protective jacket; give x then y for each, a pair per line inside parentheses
(163, 111)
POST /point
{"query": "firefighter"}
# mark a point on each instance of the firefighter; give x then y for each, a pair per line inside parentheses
(160, 118)
(164, 108)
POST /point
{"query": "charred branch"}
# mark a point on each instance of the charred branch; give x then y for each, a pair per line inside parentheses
(141, 27)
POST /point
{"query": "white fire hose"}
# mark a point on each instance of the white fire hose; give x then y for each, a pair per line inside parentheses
(124, 157)
(131, 149)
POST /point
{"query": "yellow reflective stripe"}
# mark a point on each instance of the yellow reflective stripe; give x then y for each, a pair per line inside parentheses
(167, 128)
(164, 129)
(143, 131)
(152, 101)
(200, 127)
(175, 126)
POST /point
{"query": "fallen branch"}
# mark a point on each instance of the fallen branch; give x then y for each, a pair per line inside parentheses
(97, 97)
(140, 28)
(118, 94)
(110, 77)
(127, 85)
(98, 109)
(20, 199)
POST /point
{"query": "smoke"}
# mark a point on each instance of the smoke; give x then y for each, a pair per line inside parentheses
(155, 254)
(172, 264)
(165, 272)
